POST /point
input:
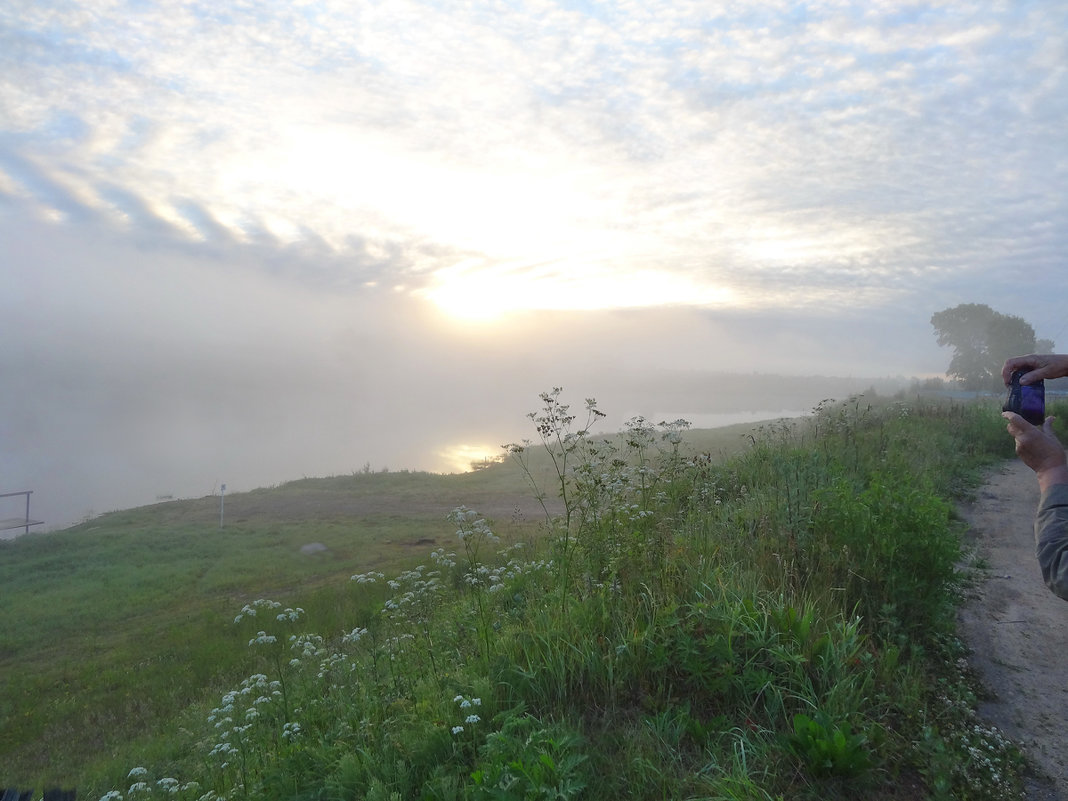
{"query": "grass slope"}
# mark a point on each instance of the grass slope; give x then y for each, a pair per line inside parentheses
(110, 628)
(770, 619)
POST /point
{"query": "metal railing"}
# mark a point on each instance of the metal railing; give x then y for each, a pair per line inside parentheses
(15, 522)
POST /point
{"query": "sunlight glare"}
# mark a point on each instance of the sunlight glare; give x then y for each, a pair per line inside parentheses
(464, 458)
(486, 294)
(336, 177)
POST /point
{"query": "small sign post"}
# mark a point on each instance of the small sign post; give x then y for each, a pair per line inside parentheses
(222, 503)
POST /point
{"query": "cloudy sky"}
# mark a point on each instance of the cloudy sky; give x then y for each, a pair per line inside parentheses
(249, 241)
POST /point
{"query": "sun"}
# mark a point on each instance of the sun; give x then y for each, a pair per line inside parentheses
(484, 294)
(465, 457)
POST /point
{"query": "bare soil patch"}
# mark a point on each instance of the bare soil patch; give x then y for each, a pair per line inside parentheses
(1018, 630)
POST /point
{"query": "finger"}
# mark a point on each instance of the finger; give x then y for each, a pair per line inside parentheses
(1007, 370)
(1017, 425)
(1034, 368)
(1047, 426)
(1031, 377)
(1014, 422)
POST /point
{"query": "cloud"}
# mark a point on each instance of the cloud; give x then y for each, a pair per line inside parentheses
(27, 180)
(731, 147)
(819, 136)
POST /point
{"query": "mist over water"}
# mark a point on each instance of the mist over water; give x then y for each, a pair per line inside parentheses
(84, 455)
(185, 375)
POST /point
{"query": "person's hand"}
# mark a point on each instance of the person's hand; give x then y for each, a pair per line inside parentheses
(1039, 449)
(1038, 366)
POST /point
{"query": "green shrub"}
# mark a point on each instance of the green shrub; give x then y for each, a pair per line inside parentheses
(827, 748)
(523, 760)
(888, 548)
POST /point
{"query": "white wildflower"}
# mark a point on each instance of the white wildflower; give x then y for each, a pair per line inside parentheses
(168, 784)
(354, 636)
(291, 615)
(262, 638)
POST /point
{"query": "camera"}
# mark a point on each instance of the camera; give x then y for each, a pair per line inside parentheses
(1027, 400)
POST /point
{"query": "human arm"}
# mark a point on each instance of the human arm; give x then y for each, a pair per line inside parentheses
(1040, 450)
(1051, 538)
(1039, 366)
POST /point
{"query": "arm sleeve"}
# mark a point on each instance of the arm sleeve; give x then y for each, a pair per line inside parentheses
(1051, 538)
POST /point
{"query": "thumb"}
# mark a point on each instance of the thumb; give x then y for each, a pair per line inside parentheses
(1032, 376)
(1047, 426)
(1017, 425)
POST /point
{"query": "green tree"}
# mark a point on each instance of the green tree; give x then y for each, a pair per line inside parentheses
(982, 339)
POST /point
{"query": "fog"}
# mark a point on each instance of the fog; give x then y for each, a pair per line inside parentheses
(376, 241)
(131, 374)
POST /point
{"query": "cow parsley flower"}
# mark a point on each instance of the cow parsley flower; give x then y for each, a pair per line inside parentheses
(354, 636)
(367, 578)
(262, 638)
(290, 615)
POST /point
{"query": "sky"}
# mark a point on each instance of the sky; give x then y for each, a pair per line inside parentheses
(247, 242)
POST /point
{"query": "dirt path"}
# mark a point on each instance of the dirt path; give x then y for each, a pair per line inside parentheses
(1018, 630)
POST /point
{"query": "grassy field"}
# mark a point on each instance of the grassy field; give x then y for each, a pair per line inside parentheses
(752, 612)
(110, 628)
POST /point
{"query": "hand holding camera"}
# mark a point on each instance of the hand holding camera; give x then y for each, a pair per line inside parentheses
(1026, 400)
(1035, 367)
(1025, 409)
